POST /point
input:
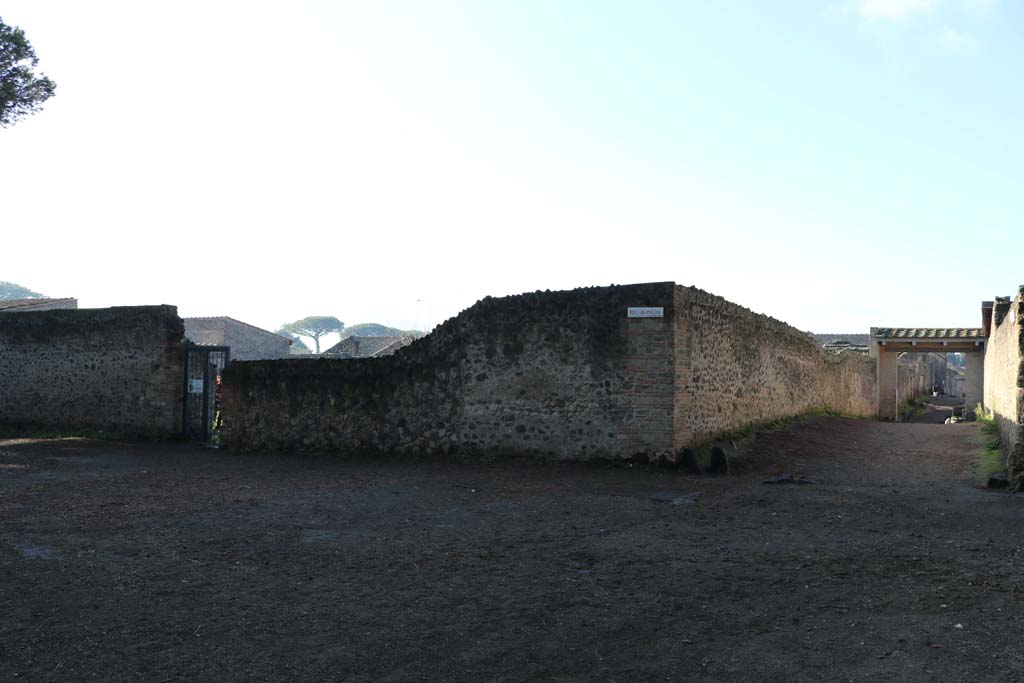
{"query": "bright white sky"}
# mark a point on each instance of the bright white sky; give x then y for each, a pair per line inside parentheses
(834, 164)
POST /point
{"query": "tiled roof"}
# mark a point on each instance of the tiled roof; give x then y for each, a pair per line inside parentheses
(240, 322)
(8, 304)
(393, 346)
(367, 347)
(928, 333)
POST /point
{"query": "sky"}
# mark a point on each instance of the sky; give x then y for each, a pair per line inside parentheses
(835, 164)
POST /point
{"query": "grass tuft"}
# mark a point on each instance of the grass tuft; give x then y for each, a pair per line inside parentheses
(990, 458)
(769, 426)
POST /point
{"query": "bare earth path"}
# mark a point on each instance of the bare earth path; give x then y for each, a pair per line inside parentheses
(935, 410)
(165, 563)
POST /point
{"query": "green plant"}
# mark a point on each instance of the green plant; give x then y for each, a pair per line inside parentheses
(741, 433)
(990, 459)
(22, 90)
(907, 410)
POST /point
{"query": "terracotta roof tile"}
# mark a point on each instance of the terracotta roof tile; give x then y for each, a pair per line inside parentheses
(928, 333)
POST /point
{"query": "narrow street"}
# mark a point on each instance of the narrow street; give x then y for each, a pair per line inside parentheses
(935, 409)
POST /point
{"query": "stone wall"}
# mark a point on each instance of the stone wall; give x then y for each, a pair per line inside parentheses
(906, 376)
(917, 373)
(1004, 380)
(556, 374)
(735, 368)
(116, 369)
(247, 342)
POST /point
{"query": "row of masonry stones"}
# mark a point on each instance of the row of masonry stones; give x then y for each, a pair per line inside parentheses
(114, 369)
(1004, 380)
(555, 374)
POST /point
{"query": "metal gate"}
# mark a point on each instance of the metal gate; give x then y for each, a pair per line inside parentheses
(203, 365)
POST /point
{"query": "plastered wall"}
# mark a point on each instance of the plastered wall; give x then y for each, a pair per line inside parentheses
(1004, 380)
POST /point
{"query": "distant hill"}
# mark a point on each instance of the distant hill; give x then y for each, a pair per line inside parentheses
(377, 330)
(9, 291)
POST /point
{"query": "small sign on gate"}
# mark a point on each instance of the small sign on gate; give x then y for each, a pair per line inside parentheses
(645, 312)
(195, 386)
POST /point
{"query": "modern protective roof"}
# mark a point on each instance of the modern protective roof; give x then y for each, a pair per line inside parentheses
(911, 333)
(369, 346)
(11, 304)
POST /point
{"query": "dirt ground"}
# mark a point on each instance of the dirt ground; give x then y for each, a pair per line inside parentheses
(935, 410)
(160, 563)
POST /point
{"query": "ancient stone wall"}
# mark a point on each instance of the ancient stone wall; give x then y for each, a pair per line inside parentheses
(1004, 380)
(735, 368)
(116, 369)
(556, 374)
(918, 373)
(849, 384)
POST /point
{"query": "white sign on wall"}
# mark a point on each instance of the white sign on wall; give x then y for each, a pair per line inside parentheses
(645, 312)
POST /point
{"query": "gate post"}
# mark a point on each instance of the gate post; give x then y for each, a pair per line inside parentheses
(975, 379)
(888, 406)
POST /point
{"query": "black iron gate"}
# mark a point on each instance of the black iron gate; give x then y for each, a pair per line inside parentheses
(203, 365)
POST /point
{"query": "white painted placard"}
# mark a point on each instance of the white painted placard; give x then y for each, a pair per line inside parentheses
(195, 386)
(645, 312)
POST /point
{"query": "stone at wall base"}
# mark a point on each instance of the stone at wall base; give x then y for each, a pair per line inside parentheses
(998, 480)
(719, 462)
(688, 461)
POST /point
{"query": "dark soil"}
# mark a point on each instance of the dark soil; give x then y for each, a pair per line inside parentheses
(160, 563)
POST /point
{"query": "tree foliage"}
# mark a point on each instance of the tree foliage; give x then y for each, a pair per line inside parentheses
(296, 339)
(314, 327)
(22, 92)
(10, 291)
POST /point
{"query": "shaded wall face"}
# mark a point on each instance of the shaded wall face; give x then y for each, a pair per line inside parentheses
(117, 369)
(1004, 379)
(587, 381)
(558, 374)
